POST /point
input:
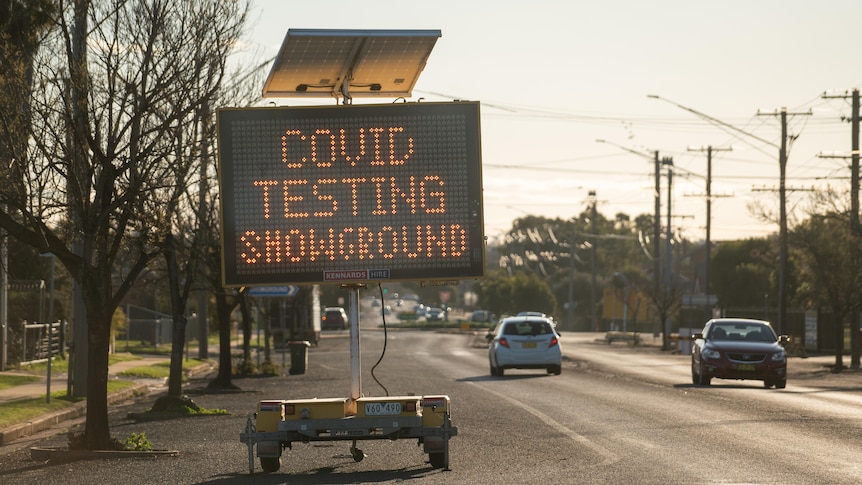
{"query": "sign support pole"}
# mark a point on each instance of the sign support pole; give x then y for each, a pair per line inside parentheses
(355, 364)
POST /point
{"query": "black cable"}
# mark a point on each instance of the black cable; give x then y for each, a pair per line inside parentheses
(385, 339)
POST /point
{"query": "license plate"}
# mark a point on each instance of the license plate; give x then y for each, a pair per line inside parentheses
(528, 345)
(745, 367)
(382, 408)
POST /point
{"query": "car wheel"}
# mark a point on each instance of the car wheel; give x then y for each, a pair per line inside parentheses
(767, 383)
(270, 465)
(493, 370)
(781, 383)
(437, 460)
(555, 369)
(703, 379)
(695, 379)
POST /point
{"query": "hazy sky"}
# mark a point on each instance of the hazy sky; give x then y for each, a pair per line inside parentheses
(554, 76)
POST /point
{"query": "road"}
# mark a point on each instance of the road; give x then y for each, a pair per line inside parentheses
(615, 415)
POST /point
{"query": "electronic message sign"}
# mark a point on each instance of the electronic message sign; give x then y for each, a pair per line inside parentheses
(351, 193)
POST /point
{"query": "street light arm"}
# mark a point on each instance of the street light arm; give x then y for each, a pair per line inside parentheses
(714, 120)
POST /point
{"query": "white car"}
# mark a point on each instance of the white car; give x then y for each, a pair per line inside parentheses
(524, 343)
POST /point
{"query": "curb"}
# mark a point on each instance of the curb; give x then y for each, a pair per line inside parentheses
(58, 454)
(75, 411)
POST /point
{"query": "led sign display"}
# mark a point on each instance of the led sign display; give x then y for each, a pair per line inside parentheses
(351, 194)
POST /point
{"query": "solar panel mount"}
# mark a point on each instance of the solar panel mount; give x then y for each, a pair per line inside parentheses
(348, 64)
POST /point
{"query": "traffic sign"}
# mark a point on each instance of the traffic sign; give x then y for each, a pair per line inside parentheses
(288, 291)
(351, 194)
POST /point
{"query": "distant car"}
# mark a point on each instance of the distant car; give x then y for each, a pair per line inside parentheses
(334, 318)
(538, 314)
(482, 316)
(737, 348)
(532, 314)
(419, 309)
(433, 314)
(524, 342)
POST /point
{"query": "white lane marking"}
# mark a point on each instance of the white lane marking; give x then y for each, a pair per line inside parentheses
(609, 456)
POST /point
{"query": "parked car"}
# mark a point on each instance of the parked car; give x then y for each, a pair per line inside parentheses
(737, 348)
(524, 342)
(433, 314)
(419, 309)
(334, 318)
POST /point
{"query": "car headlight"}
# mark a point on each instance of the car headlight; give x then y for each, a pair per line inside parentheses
(711, 354)
(779, 356)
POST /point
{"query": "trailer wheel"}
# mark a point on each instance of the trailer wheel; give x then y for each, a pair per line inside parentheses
(437, 460)
(270, 465)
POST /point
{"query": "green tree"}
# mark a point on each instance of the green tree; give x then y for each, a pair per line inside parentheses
(743, 272)
(508, 295)
(821, 247)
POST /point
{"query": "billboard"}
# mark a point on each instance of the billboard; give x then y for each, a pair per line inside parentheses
(350, 193)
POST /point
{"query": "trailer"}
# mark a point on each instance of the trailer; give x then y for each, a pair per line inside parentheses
(278, 424)
(416, 217)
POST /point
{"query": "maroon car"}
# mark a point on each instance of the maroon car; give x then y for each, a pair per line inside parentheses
(739, 348)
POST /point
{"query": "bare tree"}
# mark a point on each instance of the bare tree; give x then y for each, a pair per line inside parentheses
(186, 239)
(118, 81)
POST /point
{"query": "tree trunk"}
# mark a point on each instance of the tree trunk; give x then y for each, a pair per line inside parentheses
(225, 367)
(246, 328)
(178, 327)
(97, 431)
(839, 345)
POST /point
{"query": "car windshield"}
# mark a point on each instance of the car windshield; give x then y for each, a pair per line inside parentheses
(527, 328)
(736, 331)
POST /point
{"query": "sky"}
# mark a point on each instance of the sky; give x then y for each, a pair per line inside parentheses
(554, 76)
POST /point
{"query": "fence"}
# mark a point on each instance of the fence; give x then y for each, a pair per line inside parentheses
(41, 340)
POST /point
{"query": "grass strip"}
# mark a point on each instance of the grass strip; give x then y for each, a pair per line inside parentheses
(161, 370)
(62, 365)
(23, 410)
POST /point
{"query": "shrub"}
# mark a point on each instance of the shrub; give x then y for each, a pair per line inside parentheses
(138, 442)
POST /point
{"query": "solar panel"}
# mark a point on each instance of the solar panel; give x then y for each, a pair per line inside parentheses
(349, 63)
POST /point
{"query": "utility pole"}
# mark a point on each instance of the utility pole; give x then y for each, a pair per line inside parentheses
(593, 215)
(782, 162)
(782, 227)
(4, 288)
(79, 360)
(570, 307)
(709, 150)
(854, 221)
(667, 161)
(656, 235)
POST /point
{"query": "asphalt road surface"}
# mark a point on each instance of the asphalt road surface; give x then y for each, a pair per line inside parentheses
(616, 415)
